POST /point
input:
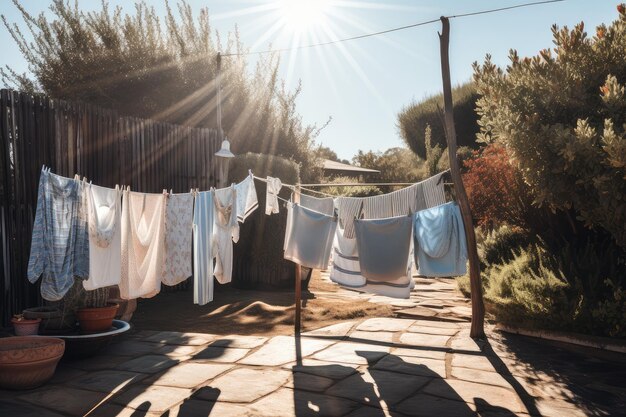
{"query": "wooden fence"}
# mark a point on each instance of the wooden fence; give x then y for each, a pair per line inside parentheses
(75, 138)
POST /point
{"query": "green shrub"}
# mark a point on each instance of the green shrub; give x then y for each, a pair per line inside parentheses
(414, 118)
(359, 191)
(498, 247)
(263, 165)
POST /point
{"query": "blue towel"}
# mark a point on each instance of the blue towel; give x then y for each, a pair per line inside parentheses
(439, 237)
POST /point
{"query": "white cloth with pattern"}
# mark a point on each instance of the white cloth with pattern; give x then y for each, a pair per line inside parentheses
(104, 218)
(178, 237)
(143, 244)
(225, 232)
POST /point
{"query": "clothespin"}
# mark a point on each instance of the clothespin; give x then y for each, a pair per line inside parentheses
(165, 193)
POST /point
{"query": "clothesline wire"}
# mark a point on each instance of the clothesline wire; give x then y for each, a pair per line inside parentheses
(382, 32)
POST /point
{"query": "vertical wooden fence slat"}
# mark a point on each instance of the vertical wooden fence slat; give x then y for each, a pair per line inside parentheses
(75, 138)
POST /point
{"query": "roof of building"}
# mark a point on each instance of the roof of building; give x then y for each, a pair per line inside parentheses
(339, 166)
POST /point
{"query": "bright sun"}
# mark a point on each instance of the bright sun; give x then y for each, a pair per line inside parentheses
(302, 15)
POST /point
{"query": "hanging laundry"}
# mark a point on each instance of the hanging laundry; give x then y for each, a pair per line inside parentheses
(104, 217)
(407, 200)
(322, 205)
(348, 209)
(247, 201)
(384, 247)
(203, 220)
(440, 246)
(60, 244)
(178, 238)
(378, 207)
(271, 195)
(346, 270)
(225, 232)
(143, 244)
(433, 190)
(310, 235)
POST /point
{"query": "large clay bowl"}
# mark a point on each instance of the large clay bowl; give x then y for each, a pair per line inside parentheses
(29, 361)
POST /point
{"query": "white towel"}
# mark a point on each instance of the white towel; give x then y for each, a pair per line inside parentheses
(271, 195)
(143, 244)
(247, 201)
(203, 213)
(178, 228)
(225, 232)
(104, 217)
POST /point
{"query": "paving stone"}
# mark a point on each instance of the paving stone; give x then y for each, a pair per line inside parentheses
(385, 325)
(189, 374)
(367, 411)
(322, 368)
(391, 387)
(436, 323)
(480, 362)
(286, 403)
(64, 373)
(96, 363)
(175, 351)
(385, 337)
(558, 408)
(244, 385)
(242, 342)
(110, 410)
(420, 339)
(481, 377)
(417, 312)
(133, 348)
(198, 408)
(15, 409)
(470, 392)
(413, 365)
(156, 399)
(433, 330)
(348, 352)
(56, 398)
(335, 330)
(403, 303)
(176, 338)
(106, 381)
(424, 405)
(280, 350)
(467, 344)
(220, 354)
(420, 352)
(309, 382)
(148, 364)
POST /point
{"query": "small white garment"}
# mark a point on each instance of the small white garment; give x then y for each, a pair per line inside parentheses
(247, 201)
(203, 220)
(225, 232)
(104, 217)
(143, 244)
(178, 228)
(271, 195)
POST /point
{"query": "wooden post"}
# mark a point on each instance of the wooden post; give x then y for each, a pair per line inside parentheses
(478, 308)
(298, 295)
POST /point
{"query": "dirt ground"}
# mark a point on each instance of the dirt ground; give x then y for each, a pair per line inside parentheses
(247, 312)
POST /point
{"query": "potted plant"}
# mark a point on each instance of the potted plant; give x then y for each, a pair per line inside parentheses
(98, 313)
(54, 320)
(24, 326)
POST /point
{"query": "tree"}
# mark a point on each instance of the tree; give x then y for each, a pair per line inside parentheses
(562, 118)
(395, 164)
(325, 152)
(414, 118)
(164, 70)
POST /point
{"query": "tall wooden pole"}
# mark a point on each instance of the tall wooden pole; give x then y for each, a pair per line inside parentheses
(478, 308)
(298, 293)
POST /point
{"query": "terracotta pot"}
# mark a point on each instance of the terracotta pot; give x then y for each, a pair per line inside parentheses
(28, 362)
(96, 319)
(25, 327)
(53, 321)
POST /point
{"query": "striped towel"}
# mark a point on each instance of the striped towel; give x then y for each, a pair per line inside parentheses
(348, 209)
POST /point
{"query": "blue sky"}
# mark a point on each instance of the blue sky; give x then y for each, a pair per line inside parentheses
(363, 84)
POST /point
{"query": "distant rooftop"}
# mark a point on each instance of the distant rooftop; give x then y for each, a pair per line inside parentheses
(339, 166)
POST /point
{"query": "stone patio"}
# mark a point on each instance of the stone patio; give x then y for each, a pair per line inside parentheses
(419, 366)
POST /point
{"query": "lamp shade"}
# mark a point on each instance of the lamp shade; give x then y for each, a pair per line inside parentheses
(225, 152)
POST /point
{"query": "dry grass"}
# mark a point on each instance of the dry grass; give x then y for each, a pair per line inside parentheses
(248, 312)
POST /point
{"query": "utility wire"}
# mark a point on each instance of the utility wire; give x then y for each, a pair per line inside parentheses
(396, 29)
